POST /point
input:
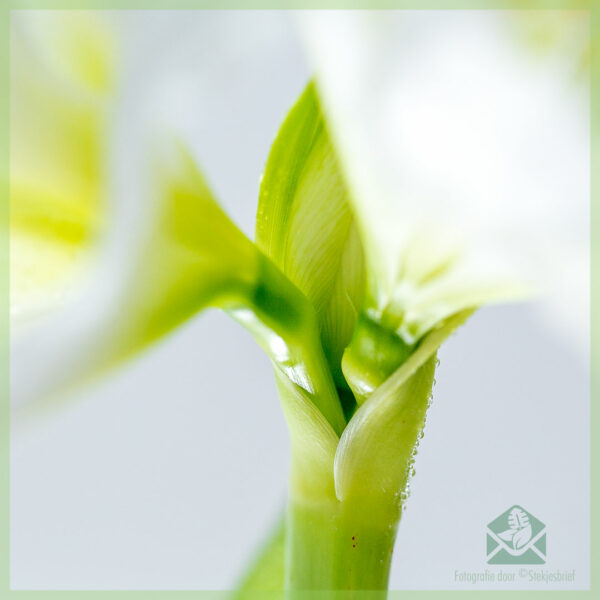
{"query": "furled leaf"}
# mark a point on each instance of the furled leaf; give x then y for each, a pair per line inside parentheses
(374, 456)
(304, 223)
(284, 324)
(313, 443)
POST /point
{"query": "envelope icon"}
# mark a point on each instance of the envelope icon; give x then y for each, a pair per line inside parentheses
(516, 537)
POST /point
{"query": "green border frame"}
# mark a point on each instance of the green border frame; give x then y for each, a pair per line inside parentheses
(7, 5)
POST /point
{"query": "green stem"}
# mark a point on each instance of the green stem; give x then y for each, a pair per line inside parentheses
(339, 546)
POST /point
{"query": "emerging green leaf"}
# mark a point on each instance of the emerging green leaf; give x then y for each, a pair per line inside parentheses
(305, 224)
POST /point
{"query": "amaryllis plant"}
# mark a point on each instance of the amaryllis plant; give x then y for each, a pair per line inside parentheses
(349, 298)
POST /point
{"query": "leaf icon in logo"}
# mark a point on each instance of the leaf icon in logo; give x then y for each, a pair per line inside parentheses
(507, 535)
(520, 528)
(517, 518)
(521, 537)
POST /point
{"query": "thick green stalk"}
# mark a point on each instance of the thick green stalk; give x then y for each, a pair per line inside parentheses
(341, 532)
(346, 477)
(333, 546)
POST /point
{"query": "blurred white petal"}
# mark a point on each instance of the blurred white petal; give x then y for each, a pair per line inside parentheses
(62, 74)
(173, 72)
(448, 127)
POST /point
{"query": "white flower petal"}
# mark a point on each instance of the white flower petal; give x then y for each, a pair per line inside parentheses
(445, 123)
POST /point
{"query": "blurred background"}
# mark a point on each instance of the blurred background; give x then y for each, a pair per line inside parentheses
(169, 473)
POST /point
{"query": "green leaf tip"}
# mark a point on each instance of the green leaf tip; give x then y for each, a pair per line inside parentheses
(305, 225)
